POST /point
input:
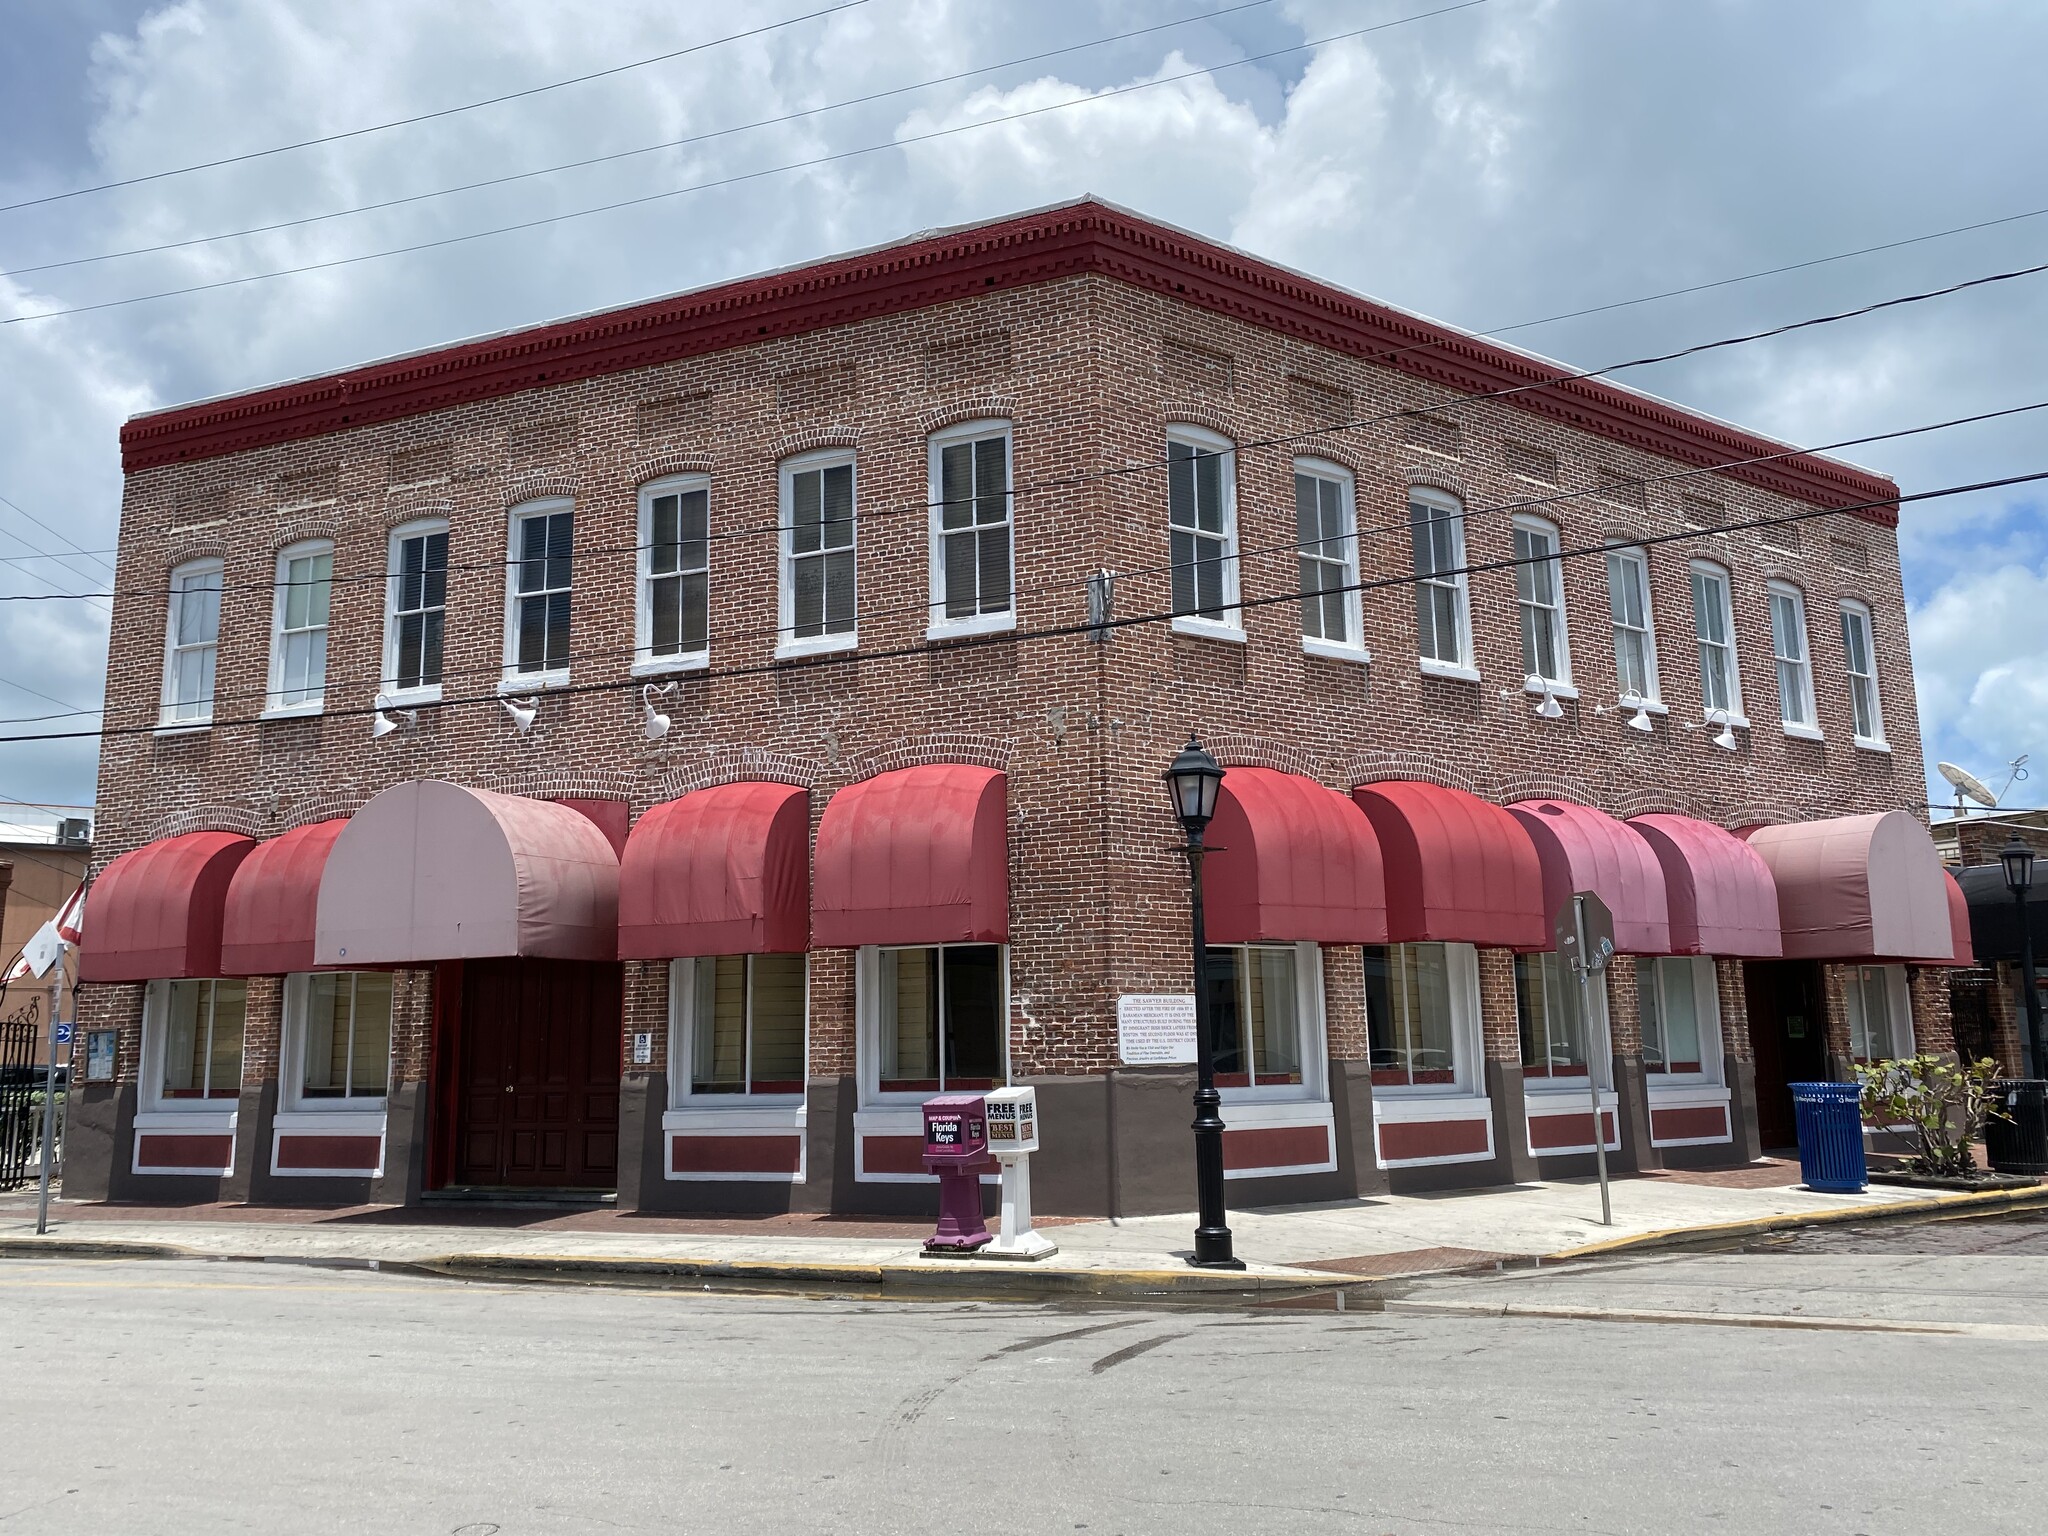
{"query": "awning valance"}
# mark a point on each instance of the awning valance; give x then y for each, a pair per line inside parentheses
(434, 871)
(1865, 887)
(1458, 868)
(1581, 849)
(1719, 890)
(1295, 862)
(274, 901)
(1994, 915)
(722, 871)
(156, 911)
(916, 856)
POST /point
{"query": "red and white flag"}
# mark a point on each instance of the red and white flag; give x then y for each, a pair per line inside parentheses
(71, 918)
(47, 944)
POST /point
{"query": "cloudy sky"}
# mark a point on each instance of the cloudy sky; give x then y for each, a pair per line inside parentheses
(1490, 165)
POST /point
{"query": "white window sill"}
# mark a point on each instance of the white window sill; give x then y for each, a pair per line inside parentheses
(884, 1118)
(518, 685)
(1209, 629)
(1335, 650)
(778, 1112)
(981, 624)
(668, 666)
(1426, 1103)
(406, 698)
(1685, 1092)
(334, 1117)
(1555, 689)
(1455, 670)
(1872, 744)
(1735, 722)
(1548, 1100)
(198, 1115)
(1289, 1104)
(184, 727)
(815, 645)
(1800, 732)
(306, 711)
(1648, 706)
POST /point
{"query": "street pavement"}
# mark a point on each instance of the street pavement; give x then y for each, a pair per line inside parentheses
(182, 1397)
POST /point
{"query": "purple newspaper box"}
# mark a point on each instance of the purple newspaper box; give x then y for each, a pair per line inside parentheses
(956, 1149)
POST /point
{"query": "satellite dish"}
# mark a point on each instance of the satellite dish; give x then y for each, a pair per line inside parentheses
(1966, 783)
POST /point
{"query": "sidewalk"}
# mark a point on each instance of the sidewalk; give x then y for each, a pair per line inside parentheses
(1287, 1248)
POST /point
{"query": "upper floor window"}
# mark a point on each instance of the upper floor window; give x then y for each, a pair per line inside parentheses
(543, 559)
(971, 529)
(337, 1038)
(1635, 634)
(818, 528)
(1861, 657)
(415, 609)
(673, 624)
(1201, 497)
(1539, 589)
(1789, 648)
(1714, 623)
(738, 1023)
(191, 643)
(298, 633)
(1326, 532)
(1443, 625)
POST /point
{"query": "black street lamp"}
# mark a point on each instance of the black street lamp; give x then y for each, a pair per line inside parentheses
(2018, 860)
(1192, 781)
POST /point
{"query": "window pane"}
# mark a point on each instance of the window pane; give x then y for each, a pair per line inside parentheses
(369, 1056)
(994, 570)
(719, 1044)
(1209, 577)
(838, 592)
(224, 1056)
(325, 1040)
(1276, 1018)
(533, 545)
(1633, 675)
(957, 554)
(184, 1075)
(1650, 1010)
(434, 587)
(807, 599)
(1551, 1044)
(430, 648)
(1180, 485)
(694, 623)
(561, 536)
(806, 492)
(558, 629)
(778, 1024)
(838, 519)
(1182, 553)
(663, 516)
(910, 1021)
(693, 531)
(992, 480)
(1226, 1016)
(973, 1016)
(533, 634)
(956, 485)
(199, 609)
(1209, 491)
(1681, 1017)
(664, 618)
(1408, 1015)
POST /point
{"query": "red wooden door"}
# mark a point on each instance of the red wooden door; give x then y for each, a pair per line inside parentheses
(1788, 1032)
(540, 1075)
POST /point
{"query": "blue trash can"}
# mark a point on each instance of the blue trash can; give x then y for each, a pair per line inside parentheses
(1831, 1137)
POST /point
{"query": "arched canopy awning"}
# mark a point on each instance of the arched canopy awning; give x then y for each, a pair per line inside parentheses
(156, 910)
(1995, 916)
(1581, 849)
(435, 871)
(1719, 890)
(916, 856)
(722, 871)
(1867, 887)
(273, 902)
(1959, 922)
(1458, 868)
(1295, 862)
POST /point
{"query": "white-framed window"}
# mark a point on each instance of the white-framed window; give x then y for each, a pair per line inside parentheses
(538, 591)
(1635, 627)
(1443, 620)
(337, 1039)
(1422, 1018)
(1553, 1038)
(819, 527)
(672, 617)
(1201, 511)
(1713, 622)
(1680, 1014)
(971, 530)
(191, 643)
(1265, 1008)
(1880, 1012)
(415, 610)
(298, 627)
(934, 1019)
(192, 1049)
(737, 1028)
(1326, 533)
(1860, 655)
(1539, 593)
(1795, 663)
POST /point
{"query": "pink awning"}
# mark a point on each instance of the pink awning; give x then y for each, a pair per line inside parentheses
(917, 856)
(1458, 868)
(1719, 890)
(156, 910)
(722, 871)
(435, 871)
(1295, 862)
(1961, 950)
(1865, 887)
(274, 901)
(1582, 849)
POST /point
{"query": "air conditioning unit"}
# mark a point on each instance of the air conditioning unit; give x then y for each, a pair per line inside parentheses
(74, 832)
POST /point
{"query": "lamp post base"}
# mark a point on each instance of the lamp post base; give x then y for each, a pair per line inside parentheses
(1212, 1250)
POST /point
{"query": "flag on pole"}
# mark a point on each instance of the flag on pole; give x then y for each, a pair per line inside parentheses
(42, 950)
(71, 918)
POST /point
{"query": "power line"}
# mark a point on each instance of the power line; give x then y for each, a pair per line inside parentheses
(423, 117)
(61, 538)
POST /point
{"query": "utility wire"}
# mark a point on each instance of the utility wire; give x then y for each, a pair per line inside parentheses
(58, 534)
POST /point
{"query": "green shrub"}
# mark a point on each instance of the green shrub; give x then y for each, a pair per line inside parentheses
(1946, 1103)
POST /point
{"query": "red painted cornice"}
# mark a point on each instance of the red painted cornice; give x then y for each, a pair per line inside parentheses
(1084, 237)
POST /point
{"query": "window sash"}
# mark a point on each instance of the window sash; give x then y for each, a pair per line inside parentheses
(748, 1022)
(1410, 1023)
(1553, 1036)
(419, 603)
(202, 1032)
(974, 526)
(1628, 606)
(1200, 536)
(344, 1036)
(1256, 1015)
(1537, 588)
(304, 584)
(1438, 538)
(676, 592)
(194, 644)
(1673, 1025)
(821, 571)
(1710, 624)
(544, 581)
(1328, 553)
(1788, 648)
(940, 1020)
(1863, 696)
(1873, 1026)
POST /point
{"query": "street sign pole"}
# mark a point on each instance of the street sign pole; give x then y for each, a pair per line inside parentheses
(50, 1099)
(1580, 963)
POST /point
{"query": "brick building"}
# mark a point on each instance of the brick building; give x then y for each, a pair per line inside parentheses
(653, 751)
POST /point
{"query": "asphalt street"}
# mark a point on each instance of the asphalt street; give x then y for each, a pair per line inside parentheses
(184, 1397)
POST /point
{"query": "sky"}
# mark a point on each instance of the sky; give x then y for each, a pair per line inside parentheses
(1493, 164)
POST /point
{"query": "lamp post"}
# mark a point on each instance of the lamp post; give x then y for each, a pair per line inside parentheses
(1192, 782)
(2018, 860)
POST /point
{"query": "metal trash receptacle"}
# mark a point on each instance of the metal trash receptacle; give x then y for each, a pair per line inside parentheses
(1830, 1118)
(2017, 1142)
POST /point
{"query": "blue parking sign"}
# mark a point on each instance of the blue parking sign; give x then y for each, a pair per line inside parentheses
(64, 1031)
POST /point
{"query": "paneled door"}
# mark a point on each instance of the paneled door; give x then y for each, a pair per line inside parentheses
(1788, 1032)
(540, 1075)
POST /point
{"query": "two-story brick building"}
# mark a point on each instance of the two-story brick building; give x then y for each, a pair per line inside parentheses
(654, 751)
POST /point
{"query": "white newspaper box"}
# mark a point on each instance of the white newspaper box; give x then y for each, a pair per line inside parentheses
(1012, 1119)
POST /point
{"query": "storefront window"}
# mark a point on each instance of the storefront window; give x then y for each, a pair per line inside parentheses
(1677, 1033)
(1553, 1044)
(202, 1049)
(1877, 1013)
(1410, 1023)
(746, 1024)
(1256, 1009)
(941, 1018)
(342, 1025)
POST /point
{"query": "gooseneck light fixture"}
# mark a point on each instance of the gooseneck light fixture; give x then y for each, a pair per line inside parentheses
(653, 722)
(522, 711)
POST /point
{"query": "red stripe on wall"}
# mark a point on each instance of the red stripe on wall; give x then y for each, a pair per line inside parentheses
(179, 1151)
(892, 1154)
(1279, 1146)
(739, 1154)
(1401, 1140)
(354, 1153)
(1548, 1132)
(1698, 1121)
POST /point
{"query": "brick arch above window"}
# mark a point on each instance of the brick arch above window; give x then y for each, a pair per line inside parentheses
(921, 751)
(561, 784)
(322, 808)
(537, 487)
(709, 767)
(817, 437)
(187, 554)
(299, 530)
(1178, 413)
(1345, 455)
(404, 512)
(1236, 750)
(1645, 800)
(1756, 815)
(242, 820)
(985, 408)
(1542, 786)
(1422, 477)
(669, 464)
(1377, 767)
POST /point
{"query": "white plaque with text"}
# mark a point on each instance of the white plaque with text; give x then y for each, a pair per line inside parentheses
(1155, 1028)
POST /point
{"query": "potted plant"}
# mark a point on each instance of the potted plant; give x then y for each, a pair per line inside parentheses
(1946, 1104)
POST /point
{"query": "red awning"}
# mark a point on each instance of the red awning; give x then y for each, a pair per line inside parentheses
(1458, 868)
(1720, 892)
(156, 911)
(1858, 888)
(434, 871)
(724, 871)
(268, 925)
(1961, 951)
(1581, 849)
(917, 856)
(1294, 862)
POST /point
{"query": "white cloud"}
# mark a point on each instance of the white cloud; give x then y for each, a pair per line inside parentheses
(1980, 656)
